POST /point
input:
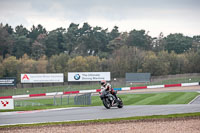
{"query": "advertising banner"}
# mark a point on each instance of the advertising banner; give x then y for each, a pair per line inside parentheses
(7, 81)
(88, 76)
(42, 78)
(6, 104)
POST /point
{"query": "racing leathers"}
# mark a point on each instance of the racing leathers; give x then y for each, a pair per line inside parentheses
(108, 87)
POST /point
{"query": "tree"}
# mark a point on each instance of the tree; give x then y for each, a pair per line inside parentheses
(171, 59)
(196, 43)
(193, 62)
(61, 39)
(58, 64)
(154, 65)
(27, 64)
(1, 71)
(11, 67)
(118, 42)
(9, 29)
(36, 31)
(21, 46)
(1, 66)
(92, 41)
(71, 37)
(6, 42)
(51, 44)
(114, 33)
(93, 63)
(178, 43)
(37, 50)
(85, 40)
(38, 47)
(55, 42)
(21, 31)
(182, 63)
(104, 65)
(41, 65)
(78, 64)
(126, 59)
(158, 43)
(100, 40)
(140, 39)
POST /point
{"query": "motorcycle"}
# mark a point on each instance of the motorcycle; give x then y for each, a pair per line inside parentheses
(110, 101)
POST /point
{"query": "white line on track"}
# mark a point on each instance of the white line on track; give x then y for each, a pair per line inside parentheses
(35, 111)
(194, 99)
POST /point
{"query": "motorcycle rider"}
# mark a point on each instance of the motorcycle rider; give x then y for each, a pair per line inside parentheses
(107, 87)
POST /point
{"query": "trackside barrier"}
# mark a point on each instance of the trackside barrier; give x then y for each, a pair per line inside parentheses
(84, 99)
(61, 99)
(190, 84)
(155, 86)
(98, 90)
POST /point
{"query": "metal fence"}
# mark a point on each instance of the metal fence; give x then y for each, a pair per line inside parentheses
(56, 100)
(84, 99)
(25, 103)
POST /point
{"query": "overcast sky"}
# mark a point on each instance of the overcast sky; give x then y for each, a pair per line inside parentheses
(155, 16)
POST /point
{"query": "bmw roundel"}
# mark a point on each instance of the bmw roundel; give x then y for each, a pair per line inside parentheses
(77, 77)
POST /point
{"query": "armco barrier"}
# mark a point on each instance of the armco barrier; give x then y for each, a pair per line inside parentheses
(98, 90)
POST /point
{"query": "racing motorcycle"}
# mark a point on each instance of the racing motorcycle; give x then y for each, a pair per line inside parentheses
(110, 101)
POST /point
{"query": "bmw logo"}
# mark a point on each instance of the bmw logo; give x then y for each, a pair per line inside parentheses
(77, 77)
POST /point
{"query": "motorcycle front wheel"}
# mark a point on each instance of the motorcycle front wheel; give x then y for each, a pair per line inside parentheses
(106, 103)
(120, 105)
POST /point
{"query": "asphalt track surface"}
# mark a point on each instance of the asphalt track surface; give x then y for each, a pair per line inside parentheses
(91, 113)
(100, 112)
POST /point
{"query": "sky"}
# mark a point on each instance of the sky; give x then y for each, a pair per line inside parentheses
(153, 16)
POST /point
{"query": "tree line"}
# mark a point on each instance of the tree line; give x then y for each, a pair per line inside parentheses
(125, 59)
(87, 48)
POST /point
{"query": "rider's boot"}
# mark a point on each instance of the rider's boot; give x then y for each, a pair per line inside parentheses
(116, 98)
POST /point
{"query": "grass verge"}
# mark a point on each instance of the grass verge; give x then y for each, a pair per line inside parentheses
(38, 90)
(128, 99)
(98, 121)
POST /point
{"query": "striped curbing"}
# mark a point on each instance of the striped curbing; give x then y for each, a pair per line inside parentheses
(54, 93)
(87, 91)
(155, 86)
(98, 90)
(190, 84)
(20, 96)
(125, 88)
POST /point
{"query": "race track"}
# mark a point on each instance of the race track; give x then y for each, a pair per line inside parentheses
(91, 113)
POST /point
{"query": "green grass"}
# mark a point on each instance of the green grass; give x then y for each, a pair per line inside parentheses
(171, 81)
(104, 121)
(128, 99)
(159, 98)
(38, 90)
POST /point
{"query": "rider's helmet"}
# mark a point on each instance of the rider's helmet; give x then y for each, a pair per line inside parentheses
(103, 82)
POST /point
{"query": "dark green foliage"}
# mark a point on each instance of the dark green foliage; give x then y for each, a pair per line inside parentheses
(178, 43)
(21, 46)
(36, 31)
(114, 51)
(140, 39)
(21, 31)
(6, 41)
